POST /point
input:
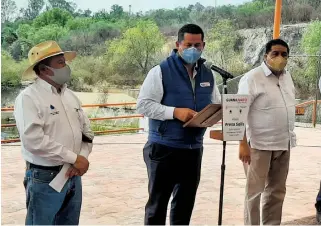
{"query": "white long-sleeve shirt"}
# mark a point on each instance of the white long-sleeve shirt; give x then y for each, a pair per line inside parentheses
(271, 117)
(151, 94)
(50, 125)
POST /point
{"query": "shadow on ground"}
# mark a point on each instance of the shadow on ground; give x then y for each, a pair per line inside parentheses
(302, 221)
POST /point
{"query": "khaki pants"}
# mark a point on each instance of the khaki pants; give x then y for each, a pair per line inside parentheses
(266, 175)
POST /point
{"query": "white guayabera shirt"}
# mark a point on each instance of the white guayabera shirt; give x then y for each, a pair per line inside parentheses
(271, 114)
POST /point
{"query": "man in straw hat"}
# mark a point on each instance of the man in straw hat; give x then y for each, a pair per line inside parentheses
(56, 138)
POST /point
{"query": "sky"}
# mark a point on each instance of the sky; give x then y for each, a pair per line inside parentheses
(141, 5)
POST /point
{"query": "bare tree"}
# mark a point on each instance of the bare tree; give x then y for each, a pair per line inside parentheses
(34, 9)
(8, 10)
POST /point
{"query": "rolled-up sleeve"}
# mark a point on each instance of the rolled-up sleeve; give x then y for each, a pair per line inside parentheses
(216, 96)
(150, 96)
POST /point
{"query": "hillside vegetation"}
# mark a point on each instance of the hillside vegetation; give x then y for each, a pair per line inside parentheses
(116, 48)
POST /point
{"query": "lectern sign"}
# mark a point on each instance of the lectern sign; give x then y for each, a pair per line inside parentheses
(235, 110)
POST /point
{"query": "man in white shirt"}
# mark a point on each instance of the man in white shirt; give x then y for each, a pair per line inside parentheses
(265, 150)
(55, 135)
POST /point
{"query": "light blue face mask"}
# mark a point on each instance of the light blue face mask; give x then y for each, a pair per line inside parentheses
(191, 55)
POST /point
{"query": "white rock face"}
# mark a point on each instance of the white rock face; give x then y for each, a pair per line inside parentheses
(254, 41)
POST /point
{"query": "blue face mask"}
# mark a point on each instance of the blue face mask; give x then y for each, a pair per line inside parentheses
(191, 55)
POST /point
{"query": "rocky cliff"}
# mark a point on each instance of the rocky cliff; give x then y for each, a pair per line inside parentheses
(254, 40)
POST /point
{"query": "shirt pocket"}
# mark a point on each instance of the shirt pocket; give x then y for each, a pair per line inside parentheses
(270, 97)
(262, 101)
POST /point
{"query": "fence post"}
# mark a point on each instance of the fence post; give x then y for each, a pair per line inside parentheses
(314, 113)
(317, 90)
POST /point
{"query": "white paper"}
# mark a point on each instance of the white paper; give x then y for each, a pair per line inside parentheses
(60, 180)
(235, 111)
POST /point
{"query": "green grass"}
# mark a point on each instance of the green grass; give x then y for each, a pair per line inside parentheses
(115, 124)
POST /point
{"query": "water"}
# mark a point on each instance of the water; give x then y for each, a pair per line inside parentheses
(8, 96)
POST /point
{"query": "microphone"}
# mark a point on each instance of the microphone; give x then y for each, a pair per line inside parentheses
(223, 73)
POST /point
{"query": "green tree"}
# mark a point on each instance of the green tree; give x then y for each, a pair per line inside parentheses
(116, 11)
(83, 13)
(101, 15)
(57, 16)
(311, 40)
(11, 71)
(79, 23)
(8, 36)
(221, 41)
(63, 4)
(131, 56)
(225, 12)
(25, 31)
(49, 32)
(20, 48)
(223, 48)
(311, 43)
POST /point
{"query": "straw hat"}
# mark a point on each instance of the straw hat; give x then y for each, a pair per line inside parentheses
(43, 51)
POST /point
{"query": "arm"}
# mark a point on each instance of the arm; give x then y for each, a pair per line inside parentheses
(216, 96)
(246, 87)
(30, 126)
(150, 96)
(88, 136)
(87, 133)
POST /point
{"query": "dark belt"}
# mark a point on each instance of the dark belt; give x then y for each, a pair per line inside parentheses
(51, 168)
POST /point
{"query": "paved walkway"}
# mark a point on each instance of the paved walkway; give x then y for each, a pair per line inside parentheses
(115, 187)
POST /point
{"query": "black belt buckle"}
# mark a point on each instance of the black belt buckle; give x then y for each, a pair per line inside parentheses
(51, 168)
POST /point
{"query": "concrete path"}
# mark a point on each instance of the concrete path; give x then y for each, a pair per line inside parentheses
(115, 187)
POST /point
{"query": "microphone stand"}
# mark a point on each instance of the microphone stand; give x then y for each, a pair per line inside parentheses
(225, 78)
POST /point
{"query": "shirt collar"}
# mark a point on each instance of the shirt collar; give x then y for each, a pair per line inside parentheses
(50, 88)
(267, 70)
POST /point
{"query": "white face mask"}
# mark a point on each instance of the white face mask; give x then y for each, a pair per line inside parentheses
(61, 75)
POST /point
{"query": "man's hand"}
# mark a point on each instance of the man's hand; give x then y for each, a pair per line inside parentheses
(81, 164)
(72, 171)
(184, 114)
(244, 153)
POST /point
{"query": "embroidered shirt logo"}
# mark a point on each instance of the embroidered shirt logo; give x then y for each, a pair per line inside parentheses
(205, 84)
(53, 110)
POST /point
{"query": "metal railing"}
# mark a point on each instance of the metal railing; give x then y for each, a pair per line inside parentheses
(300, 110)
(91, 119)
